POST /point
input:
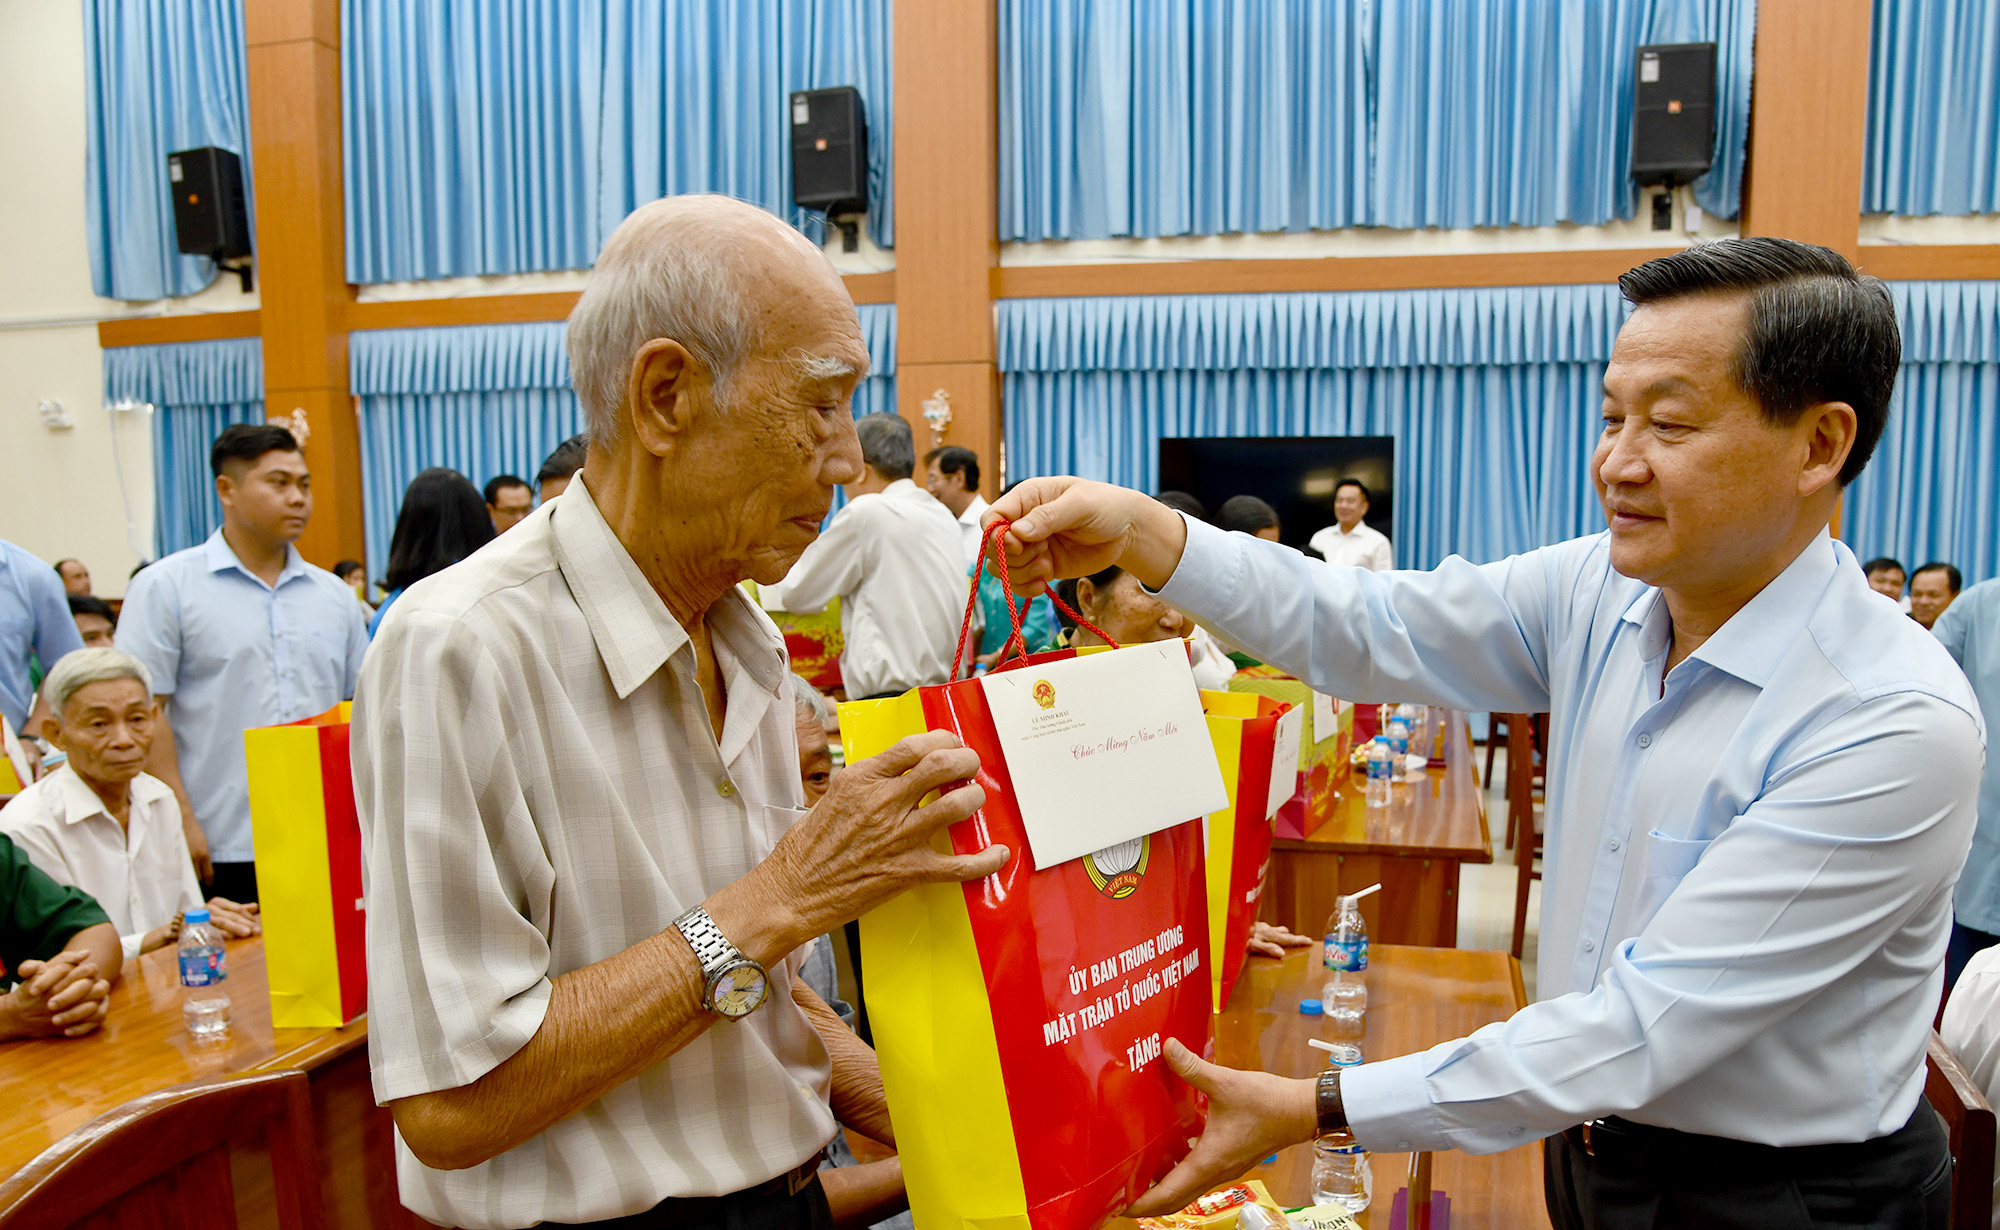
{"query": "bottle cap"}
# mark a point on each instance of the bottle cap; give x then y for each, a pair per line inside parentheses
(1311, 1007)
(195, 916)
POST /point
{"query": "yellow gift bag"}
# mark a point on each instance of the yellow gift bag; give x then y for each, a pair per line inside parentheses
(1256, 746)
(308, 870)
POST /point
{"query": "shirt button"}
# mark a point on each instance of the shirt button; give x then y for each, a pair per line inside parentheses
(1402, 1146)
(1616, 845)
(1590, 945)
(1645, 740)
(1517, 1130)
(726, 788)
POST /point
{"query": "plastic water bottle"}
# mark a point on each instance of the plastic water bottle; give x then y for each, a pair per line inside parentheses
(1398, 732)
(204, 1004)
(1381, 773)
(1417, 719)
(1345, 955)
(1340, 1165)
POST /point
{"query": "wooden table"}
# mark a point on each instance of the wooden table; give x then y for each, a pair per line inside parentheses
(1413, 848)
(51, 1087)
(1417, 998)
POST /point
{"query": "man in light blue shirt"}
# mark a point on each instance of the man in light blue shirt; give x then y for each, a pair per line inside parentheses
(239, 632)
(34, 617)
(1761, 780)
(1970, 631)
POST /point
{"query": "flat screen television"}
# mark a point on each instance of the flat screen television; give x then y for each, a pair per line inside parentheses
(1295, 475)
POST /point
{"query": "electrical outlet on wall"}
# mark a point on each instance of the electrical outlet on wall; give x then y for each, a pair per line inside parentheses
(54, 416)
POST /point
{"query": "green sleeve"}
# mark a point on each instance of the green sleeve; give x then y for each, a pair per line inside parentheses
(37, 915)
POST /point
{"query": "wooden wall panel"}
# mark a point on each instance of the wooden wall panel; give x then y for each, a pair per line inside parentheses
(155, 330)
(1931, 262)
(1212, 277)
(294, 77)
(947, 152)
(1808, 122)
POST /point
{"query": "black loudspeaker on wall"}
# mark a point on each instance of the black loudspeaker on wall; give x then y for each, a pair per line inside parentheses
(1673, 119)
(830, 156)
(209, 215)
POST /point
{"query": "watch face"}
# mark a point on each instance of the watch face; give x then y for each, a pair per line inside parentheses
(740, 990)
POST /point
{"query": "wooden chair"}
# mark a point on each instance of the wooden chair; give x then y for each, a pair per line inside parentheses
(1968, 1116)
(1523, 742)
(161, 1161)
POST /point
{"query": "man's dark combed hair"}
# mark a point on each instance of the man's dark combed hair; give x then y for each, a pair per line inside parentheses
(1952, 576)
(85, 604)
(887, 445)
(1246, 513)
(951, 459)
(566, 460)
(1182, 502)
(1358, 485)
(499, 483)
(1819, 331)
(1882, 563)
(246, 442)
(443, 521)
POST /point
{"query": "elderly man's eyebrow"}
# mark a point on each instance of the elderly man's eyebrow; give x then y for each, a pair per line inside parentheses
(827, 368)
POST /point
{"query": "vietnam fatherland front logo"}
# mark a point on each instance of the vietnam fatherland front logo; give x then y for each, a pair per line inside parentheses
(1117, 870)
(1044, 694)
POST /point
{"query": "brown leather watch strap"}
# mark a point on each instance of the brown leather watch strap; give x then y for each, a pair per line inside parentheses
(1332, 1111)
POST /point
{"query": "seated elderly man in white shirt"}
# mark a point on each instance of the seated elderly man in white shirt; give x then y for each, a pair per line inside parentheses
(101, 822)
(1353, 542)
(893, 558)
(590, 878)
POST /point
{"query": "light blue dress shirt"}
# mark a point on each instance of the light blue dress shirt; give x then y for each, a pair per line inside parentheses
(1970, 630)
(34, 615)
(235, 654)
(1749, 859)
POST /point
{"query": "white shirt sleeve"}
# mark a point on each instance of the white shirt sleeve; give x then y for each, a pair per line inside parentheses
(1383, 559)
(458, 975)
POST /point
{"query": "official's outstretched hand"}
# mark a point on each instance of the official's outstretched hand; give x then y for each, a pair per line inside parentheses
(1070, 527)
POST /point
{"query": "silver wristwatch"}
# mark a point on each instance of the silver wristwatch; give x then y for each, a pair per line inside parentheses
(734, 985)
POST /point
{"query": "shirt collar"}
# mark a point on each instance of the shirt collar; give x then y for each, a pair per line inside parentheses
(1751, 644)
(633, 630)
(80, 802)
(973, 512)
(219, 556)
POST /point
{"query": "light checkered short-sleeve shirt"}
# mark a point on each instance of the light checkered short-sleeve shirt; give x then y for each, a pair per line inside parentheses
(540, 788)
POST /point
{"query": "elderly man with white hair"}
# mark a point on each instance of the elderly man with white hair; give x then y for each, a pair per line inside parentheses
(589, 875)
(101, 822)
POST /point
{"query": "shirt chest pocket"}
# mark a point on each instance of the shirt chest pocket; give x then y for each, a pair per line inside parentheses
(1667, 862)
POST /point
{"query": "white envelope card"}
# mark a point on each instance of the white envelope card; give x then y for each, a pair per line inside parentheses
(1105, 748)
(1285, 758)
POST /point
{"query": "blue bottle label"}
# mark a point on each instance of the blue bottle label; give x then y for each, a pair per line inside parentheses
(1350, 955)
(201, 967)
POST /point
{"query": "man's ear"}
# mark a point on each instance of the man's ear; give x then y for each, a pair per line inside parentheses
(52, 731)
(663, 374)
(1832, 428)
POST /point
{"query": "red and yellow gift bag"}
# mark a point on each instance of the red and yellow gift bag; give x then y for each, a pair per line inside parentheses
(1020, 1019)
(308, 870)
(1258, 770)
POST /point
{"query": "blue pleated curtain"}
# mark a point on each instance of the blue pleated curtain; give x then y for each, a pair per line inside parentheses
(1929, 492)
(1933, 142)
(159, 76)
(1206, 117)
(196, 389)
(493, 399)
(1492, 395)
(512, 136)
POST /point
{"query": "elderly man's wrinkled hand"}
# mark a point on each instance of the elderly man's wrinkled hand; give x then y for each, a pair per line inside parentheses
(233, 920)
(869, 839)
(1070, 527)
